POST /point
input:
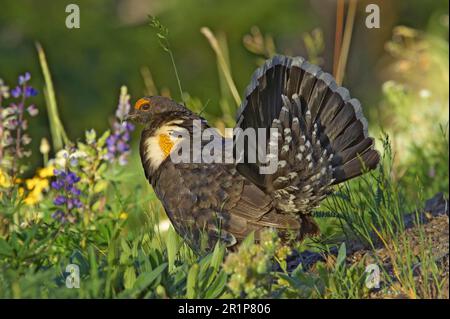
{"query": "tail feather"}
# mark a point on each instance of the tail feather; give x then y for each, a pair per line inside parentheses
(322, 91)
(350, 152)
(351, 135)
(322, 132)
(356, 166)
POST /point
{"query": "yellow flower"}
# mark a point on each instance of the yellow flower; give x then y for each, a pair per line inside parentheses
(33, 198)
(31, 183)
(37, 185)
(123, 215)
(46, 172)
(5, 180)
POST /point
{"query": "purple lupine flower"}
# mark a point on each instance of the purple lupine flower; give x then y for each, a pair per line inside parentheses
(73, 203)
(68, 195)
(16, 92)
(117, 143)
(58, 184)
(13, 126)
(75, 191)
(29, 91)
(77, 202)
(24, 78)
(32, 110)
(59, 200)
(58, 215)
(71, 178)
(124, 104)
(122, 147)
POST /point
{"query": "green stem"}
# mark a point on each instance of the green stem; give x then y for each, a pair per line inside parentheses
(176, 75)
(59, 136)
(346, 41)
(222, 63)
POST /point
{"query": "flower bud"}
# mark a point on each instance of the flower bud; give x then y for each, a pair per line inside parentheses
(44, 148)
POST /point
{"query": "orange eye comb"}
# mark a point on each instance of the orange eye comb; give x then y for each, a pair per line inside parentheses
(140, 102)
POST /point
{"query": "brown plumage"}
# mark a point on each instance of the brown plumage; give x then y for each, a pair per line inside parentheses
(322, 141)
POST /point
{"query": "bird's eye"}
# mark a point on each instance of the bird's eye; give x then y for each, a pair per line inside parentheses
(142, 104)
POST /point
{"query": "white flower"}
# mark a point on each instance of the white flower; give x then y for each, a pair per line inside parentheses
(4, 89)
(60, 159)
(424, 93)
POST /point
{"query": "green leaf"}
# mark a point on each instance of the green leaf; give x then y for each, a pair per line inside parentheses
(100, 186)
(217, 287)
(82, 147)
(79, 259)
(172, 247)
(146, 279)
(217, 256)
(293, 281)
(129, 277)
(249, 240)
(91, 135)
(125, 246)
(94, 270)
(102, 168)
(5, 248)
(342, 254)
(192, 281)
(102, 140)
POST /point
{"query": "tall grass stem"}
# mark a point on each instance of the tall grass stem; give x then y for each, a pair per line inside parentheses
(59, 136)
(222, 63)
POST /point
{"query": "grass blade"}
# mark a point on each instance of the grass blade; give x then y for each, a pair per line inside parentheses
(221, 60)
(59, 136)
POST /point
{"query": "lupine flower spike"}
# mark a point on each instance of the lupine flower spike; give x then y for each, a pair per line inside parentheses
(68, 198)
(118, 142)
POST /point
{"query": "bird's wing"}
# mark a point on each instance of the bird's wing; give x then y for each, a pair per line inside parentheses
(216, 199)
(320, 132)
(253, 210)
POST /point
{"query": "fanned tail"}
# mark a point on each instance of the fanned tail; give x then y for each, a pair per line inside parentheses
(322, 134)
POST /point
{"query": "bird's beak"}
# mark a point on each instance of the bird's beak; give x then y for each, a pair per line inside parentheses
(132, 116)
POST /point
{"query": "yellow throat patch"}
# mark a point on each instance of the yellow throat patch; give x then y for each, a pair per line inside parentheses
(165, 143)
(161, 143)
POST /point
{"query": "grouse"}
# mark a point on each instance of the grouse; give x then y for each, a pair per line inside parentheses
(320, 137)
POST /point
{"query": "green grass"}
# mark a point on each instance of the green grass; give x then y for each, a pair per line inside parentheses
(372, 209)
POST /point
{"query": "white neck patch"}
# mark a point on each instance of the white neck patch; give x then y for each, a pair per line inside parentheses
(153, 152)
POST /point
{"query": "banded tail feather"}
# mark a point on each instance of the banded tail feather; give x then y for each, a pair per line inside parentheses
(322, 133)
